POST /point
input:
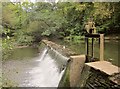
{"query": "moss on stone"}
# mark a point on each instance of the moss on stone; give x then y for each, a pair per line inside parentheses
(65, 81)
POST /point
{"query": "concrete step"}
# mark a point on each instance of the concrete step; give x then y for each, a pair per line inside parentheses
(105, 67)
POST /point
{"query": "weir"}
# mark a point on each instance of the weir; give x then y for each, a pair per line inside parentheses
(57, 66)
(87, 75)
(45, 70)
(50, 69)
(73, 64)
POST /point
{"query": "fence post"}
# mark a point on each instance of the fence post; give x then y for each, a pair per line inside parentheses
(101, 47)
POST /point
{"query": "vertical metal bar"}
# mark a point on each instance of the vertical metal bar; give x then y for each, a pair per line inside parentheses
(87, 47)
(92, 47)
(99, 40)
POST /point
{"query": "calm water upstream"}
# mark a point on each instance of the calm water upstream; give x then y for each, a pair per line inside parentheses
(110, 52)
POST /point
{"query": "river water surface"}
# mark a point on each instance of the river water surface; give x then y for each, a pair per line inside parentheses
(29, 68)
(111, 49)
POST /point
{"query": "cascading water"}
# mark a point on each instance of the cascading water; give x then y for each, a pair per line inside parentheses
(49, 71)
(42, 55)
(45, 70)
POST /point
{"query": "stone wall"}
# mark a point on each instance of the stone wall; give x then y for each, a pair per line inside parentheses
(83, 77)
(99, 80)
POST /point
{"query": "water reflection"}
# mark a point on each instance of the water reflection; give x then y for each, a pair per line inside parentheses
(110, 51)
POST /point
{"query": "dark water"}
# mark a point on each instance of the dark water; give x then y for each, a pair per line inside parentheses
(27, 67)
(111, 52)
(24, 53)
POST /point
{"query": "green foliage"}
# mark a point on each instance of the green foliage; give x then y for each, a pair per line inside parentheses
(10, 14)
(28, 22)
(7, 46)
(25, 40)
(66, 18)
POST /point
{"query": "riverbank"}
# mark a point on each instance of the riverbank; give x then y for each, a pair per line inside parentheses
(21, 46)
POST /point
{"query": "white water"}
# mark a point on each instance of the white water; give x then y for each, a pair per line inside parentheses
(46, 74)
(42, 71)
(42, 55)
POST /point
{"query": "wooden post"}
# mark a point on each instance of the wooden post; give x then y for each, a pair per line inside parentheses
(101, 47)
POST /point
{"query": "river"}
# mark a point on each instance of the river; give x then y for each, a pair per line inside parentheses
(26, 67)
(111, 49)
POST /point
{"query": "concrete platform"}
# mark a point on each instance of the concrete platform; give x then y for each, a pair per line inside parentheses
(105, 67)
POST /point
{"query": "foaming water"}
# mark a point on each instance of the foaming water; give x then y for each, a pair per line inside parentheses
(42, 55)
(45, 70)
(46, 74)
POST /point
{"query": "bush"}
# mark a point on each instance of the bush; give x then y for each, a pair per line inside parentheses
(7, 47)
